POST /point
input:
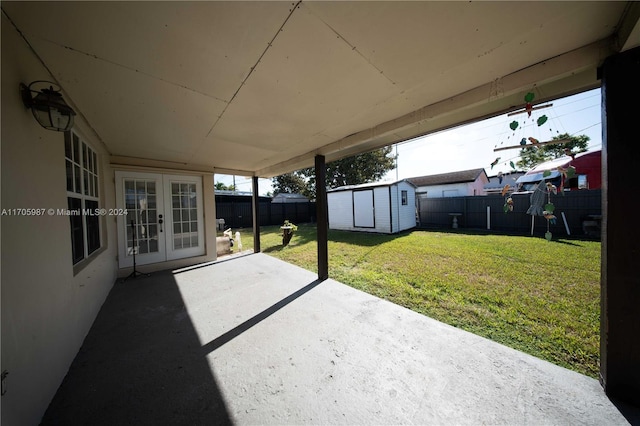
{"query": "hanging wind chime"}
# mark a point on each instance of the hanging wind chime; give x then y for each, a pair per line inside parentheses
(543, 191)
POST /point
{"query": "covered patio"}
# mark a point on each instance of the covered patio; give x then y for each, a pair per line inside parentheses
(254, 340)
(168, 94)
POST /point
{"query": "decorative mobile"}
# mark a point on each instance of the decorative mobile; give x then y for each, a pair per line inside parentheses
(568, 152)
(541, 204)
(508, 202)
(528, 107)
(540, 121)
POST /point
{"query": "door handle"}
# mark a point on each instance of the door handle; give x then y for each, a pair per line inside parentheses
(160, 221)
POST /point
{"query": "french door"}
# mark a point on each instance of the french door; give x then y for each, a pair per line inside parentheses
(162, 220)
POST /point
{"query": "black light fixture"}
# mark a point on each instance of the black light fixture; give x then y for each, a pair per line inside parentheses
(47, 106)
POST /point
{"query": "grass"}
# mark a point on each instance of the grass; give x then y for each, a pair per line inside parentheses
(536, 296)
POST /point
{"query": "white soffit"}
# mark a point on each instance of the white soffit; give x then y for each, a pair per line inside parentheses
(262, 87)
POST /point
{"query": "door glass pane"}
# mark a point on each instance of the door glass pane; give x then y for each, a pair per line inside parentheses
(145, 218)
(183, 201)
(143, 246)
(153, 232)
(153, 246)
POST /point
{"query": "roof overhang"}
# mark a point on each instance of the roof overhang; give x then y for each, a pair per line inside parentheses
(261, 88)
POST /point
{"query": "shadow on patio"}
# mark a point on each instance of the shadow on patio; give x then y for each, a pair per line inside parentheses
(141, 363)
(254, 340)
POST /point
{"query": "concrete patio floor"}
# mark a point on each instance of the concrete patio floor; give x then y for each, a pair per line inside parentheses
(254, 340)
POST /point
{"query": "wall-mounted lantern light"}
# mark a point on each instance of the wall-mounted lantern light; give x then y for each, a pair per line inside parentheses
(47, 106)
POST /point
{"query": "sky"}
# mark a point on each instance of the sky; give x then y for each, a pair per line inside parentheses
(472, 146)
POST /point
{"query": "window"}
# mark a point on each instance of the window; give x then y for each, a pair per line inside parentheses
(404, 198)
(583, 183)
(81, 163)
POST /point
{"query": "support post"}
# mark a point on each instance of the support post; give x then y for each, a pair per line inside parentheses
(620, 292)
(256, 216)
(323, 218)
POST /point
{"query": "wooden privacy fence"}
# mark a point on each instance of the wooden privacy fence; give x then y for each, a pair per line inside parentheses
(238, 214)
(582, 210)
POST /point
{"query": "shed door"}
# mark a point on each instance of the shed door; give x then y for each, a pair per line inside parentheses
(363, 209)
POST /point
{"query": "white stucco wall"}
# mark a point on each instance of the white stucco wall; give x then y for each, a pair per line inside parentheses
(46, 309)
(48, 305)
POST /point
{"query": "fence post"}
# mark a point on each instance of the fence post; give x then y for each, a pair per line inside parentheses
(566, 226)
(488, 217)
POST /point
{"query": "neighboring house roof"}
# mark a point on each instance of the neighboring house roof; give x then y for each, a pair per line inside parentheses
(448, 178)
(286, 195)
(235, 193)
(282, 196)
(495, 185)
(369, 185)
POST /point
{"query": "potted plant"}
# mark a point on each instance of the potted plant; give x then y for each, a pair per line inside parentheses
(287, 232)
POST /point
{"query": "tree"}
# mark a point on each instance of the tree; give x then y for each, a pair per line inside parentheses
(362, 168)
(289, 183)
(219, 186)
(532, 156)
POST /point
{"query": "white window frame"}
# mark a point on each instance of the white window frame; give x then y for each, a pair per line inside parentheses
(84, 160)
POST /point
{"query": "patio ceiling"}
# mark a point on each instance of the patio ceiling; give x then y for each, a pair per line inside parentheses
(260, 88)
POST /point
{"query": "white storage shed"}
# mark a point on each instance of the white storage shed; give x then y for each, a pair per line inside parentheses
(381, 207)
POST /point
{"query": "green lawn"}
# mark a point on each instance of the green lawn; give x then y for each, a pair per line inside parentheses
(540, 297)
